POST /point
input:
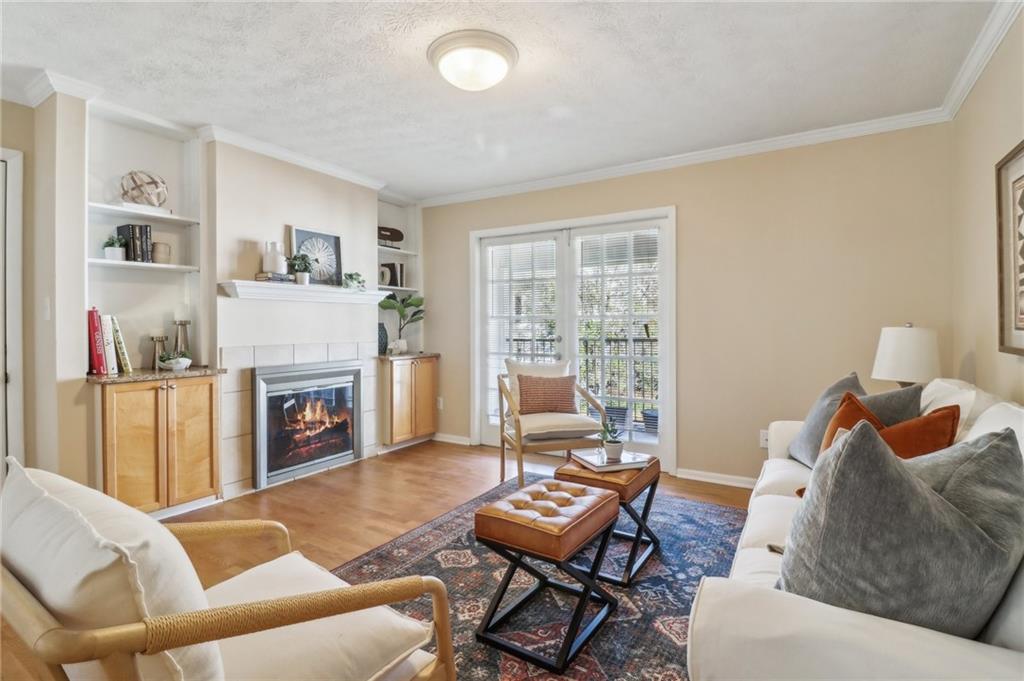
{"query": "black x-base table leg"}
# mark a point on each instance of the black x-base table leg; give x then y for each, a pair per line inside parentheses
(643, 537)
(587, 590)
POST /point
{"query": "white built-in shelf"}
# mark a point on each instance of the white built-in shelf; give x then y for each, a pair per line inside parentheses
(123, 213)
(311, 293)
(398, 288)
(133, 265)
(396, 251)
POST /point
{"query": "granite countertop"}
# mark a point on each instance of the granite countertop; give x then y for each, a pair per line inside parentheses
(152, 375)
(408, 355)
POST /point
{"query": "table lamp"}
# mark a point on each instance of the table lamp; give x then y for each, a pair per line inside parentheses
(907, 354)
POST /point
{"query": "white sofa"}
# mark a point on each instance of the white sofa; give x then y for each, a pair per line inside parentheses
(741, 627)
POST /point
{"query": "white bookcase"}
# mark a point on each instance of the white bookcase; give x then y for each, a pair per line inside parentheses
(146, 298)
(406, 219)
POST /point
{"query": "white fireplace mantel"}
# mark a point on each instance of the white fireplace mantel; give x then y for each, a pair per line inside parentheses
(312, 293)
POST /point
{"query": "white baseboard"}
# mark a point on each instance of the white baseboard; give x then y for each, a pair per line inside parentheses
(165, 513)
(452, 439)
(387, 449)
(718, 478)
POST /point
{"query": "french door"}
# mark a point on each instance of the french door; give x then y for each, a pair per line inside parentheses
(591, 295)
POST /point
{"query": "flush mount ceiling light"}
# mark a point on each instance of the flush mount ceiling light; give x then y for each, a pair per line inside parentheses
(473, 60)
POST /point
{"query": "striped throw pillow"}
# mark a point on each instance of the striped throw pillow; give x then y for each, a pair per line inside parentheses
(542, 394)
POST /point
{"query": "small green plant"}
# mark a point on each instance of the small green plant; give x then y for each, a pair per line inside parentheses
(115, 241)
(300, 262)
(409, 309)
(353, 280)
(610, 432)
(171, 355)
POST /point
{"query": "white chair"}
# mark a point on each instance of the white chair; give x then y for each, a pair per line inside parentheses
(76, 564)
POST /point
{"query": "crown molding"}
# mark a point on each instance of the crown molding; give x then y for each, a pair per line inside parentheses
(799, 139)
(396, 198)
(47, 83)
(210, 133)
(999, 21)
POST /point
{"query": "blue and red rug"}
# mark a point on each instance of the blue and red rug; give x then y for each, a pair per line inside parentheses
(645, 640)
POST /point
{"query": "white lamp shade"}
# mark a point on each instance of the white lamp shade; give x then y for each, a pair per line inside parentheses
(907, 353)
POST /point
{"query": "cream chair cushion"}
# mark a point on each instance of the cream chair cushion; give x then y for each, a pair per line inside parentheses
(517, 368)
(554, 426)
(95, 562)
(361, 645)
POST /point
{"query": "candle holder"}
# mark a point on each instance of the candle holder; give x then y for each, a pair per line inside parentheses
(181, 338)
(158, 349)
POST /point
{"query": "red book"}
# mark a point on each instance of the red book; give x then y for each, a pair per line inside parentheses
(97, 360)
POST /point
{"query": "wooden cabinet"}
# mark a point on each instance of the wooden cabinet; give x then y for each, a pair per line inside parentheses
(409, 397)
(160, 441)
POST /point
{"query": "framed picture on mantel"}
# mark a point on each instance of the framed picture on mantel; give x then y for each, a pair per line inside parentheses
(323, 248)
(1010, 245)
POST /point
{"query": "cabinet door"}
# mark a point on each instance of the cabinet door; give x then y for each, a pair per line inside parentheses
(192, 415)
(135, 443)
(425, 387)
(402, 398)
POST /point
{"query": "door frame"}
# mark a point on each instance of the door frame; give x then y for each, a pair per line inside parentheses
(15, 364)
(666, 217)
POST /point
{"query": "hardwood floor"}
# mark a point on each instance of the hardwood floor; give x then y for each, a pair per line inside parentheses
(340, 514)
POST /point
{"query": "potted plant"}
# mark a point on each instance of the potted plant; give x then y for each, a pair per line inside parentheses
(175, 361)
(353, 280)
(113, 247)
(301, 264)
(409, 309)
(611, 439)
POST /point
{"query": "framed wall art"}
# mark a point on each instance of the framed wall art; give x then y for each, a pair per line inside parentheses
(1010, 246)
(323, 248)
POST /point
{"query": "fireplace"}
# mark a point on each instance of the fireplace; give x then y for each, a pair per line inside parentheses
(306, 417)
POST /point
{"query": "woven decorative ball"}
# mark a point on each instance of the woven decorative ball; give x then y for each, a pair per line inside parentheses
(143, 187)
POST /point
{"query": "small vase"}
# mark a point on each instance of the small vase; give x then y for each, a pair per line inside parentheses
(113, 253)
(161, 253)
(613, 450)
(302, 278)
(382, 339)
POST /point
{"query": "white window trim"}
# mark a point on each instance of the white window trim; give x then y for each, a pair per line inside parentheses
(666, 217)
(15, 429)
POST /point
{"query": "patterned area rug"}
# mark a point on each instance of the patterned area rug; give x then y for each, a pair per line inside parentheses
(644, 640)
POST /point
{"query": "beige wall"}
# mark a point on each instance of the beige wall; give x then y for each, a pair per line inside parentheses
(990, 123)
(788, 265)
(17, 131)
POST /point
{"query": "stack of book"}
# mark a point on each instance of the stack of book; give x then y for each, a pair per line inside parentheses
(598, 461)
(274, 276)
(138, 242)
(107, 350)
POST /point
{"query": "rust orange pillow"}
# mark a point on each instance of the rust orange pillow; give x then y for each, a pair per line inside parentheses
(922, 435)
(543, 394)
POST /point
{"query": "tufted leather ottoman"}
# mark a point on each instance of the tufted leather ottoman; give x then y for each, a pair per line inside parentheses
(550, 521)
(628, 485)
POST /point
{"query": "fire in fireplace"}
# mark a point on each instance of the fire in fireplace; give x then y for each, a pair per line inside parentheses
(306, 419)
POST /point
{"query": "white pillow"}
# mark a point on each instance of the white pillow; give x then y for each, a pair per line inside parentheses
(517, 368)
(998, 417)
(93, 562)
(945, 392)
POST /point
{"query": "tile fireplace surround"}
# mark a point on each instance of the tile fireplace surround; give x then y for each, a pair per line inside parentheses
(236, 428)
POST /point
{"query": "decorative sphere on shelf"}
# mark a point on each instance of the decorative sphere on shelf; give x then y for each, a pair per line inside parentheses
(140, 186)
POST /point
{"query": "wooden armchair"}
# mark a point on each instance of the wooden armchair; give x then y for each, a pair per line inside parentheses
(519, 439)
(55, 645)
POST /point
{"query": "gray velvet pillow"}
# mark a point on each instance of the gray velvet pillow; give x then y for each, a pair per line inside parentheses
(894, 406)
(932, 541)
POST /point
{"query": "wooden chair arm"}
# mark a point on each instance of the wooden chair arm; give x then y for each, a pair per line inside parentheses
(506, 392)
(215, 530)
(593, 401)
(155, 634)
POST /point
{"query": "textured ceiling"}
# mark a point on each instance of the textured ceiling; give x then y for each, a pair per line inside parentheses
(596, 85)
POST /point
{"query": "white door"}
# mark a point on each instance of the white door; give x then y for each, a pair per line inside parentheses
(3, 317)
(595, 295)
